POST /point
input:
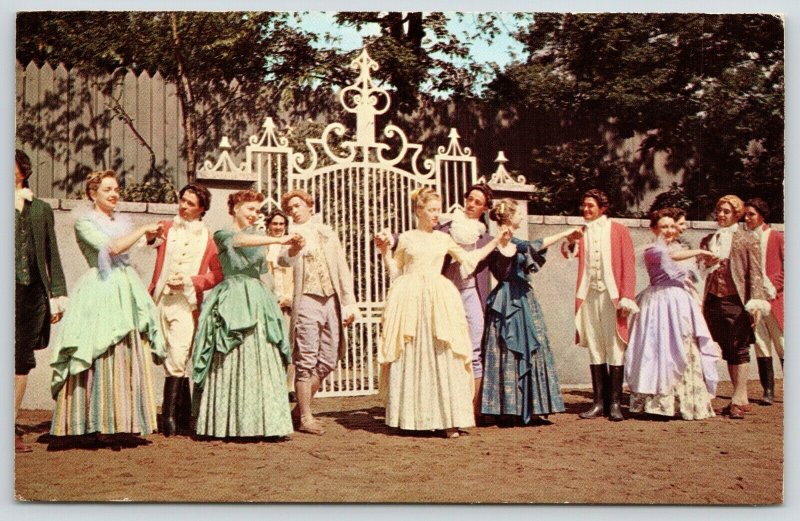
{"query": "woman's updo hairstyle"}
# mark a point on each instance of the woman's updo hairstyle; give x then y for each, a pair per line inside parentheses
(503, 210)
(422, 195)
(94, 179)
(660, 214)
(243, 196)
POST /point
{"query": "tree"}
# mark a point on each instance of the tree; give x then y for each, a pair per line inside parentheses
(221, 62)
(707, 89)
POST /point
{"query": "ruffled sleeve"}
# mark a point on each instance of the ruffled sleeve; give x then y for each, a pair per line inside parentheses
(395, 262)
(239, 257)
(534, 254)
(467, 260)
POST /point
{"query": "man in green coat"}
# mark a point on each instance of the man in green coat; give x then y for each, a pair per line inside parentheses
(40, 287)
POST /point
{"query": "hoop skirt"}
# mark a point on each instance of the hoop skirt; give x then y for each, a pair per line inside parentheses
(426, 352)
(240, 351)
(670, 363)
(101, 364)
(520, 376)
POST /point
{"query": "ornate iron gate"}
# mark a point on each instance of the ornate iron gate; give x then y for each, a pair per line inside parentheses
(361, 186)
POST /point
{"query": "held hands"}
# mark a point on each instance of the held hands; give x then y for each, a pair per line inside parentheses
(292, 239)
(153, 232)
(504, 236)
(383, 241)
(708, 258)
(575, 235)
(296, 243)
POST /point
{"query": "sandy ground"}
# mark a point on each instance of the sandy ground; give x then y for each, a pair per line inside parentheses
(641, 460)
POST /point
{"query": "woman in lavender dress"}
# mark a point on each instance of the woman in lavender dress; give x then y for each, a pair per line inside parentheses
(670, 363)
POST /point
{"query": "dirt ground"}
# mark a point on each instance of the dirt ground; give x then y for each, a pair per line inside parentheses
(641, 460)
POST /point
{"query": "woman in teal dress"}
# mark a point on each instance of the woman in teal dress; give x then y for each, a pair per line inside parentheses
(102, 358)
(520, 377)
(241, 346)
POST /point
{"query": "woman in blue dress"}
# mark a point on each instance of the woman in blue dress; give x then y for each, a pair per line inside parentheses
(520, 377)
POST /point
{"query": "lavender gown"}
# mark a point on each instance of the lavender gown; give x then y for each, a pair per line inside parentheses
(670, 363)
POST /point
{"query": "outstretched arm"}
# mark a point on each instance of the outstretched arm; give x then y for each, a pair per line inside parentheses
(245, 240)
(680, 255)
(570, 233)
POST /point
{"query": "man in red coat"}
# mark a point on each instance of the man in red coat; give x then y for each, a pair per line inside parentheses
(186, 266)
(606, 289)
(769, 331)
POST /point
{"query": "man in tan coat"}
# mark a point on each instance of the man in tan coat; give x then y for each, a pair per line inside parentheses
(735, 299)
(323, 302)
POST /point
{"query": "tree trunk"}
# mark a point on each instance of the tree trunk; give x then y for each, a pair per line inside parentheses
(416, 31)
(187, 104)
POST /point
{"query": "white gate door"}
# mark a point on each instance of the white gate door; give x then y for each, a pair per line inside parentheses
(361, 186)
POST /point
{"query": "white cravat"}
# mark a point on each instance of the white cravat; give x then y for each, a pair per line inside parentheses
(465, 231)
(193, 227)
(20, 196)
(721, 242)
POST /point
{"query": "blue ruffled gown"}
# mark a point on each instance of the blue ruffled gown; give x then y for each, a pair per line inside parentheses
(519, 376)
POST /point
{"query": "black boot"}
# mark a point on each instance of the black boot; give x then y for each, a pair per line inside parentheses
(183, 408)
(598, 392)
(169, 424)
(767, 376)
(615, 407)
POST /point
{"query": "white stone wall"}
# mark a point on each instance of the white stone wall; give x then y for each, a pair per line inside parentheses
(554, 285)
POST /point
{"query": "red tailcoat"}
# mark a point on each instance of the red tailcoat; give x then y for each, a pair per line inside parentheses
(209, 274)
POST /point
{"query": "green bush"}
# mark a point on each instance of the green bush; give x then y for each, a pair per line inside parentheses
(149, 192)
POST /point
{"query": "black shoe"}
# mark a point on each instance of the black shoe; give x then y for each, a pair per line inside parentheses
(598, 392)
(169, 423)
(617, 373)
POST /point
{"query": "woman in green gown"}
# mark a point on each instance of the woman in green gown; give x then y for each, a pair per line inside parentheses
(241, 346)
(101, 361)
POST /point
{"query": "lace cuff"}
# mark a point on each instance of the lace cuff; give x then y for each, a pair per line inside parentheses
(350, 310)
(629, 305)
(756, 304)
(58, 305)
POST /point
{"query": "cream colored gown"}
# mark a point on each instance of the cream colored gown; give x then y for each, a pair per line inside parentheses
(425, 352)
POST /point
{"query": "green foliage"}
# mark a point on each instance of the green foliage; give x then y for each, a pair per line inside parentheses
(223, 64)
(149, 192)
(701, 87)
(675, 197)
(564, 172)
(706, 89)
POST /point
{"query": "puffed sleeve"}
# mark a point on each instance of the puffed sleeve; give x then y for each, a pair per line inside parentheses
(224, 241)
(395, 262)
(467, 260)
(240, 256)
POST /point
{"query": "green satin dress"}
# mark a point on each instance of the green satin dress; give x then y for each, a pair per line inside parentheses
(241, 350)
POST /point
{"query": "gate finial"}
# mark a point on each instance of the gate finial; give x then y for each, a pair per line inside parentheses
(365, 99)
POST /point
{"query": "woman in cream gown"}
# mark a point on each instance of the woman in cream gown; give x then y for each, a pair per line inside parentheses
(425, 352)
